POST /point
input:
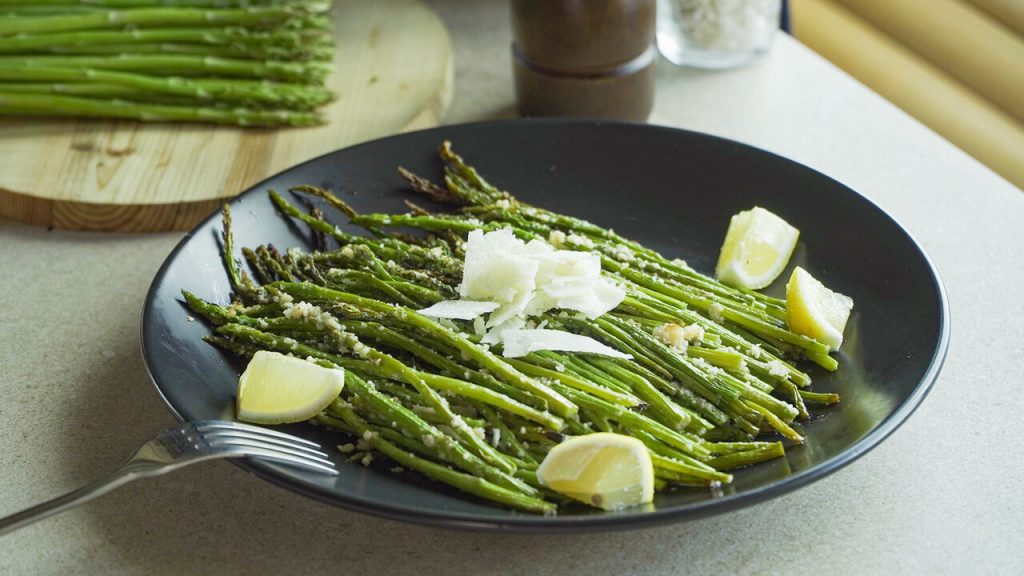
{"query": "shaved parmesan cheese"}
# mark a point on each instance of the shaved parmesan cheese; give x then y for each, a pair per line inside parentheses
(494, 336)
(496, 269)
(459, 309)
(530, 278)
(521, 342)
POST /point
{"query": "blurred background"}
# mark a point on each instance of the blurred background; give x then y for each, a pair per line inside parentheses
(955, 65)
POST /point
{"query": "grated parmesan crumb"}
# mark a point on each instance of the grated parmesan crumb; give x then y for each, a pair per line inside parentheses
(429, 441)
(556, 238)
(580, 240)
(346, 448)
(693, 333)
(777, 368)
(367, 459)
(622, 253)
(715, 312)
(672, 335)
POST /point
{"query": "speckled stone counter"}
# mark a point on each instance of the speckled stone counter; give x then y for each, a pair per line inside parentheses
(942, 495)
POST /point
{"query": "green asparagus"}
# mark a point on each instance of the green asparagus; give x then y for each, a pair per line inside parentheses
(429, 395)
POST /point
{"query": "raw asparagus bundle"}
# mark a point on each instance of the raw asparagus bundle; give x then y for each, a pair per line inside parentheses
(244, 62)
(431, 396)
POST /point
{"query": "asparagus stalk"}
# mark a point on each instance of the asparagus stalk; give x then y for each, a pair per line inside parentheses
(231, 51)
(128, 85)
(179, 65)
(478, 354)
(468, 483)
(289, 41)
(267, 17)
(310, 4)
(726, 385)
(52, 105)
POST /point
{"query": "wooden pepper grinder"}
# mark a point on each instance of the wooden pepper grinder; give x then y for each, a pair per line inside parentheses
(592, 58)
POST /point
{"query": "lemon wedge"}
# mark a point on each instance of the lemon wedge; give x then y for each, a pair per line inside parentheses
(277, 389)
(756, 249)
(609, 471)
(814, 310)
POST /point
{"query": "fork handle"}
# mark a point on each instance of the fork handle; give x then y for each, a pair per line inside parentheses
(98, 488)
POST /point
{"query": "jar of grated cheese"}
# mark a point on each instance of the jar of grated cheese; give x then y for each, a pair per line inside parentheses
(716, 34)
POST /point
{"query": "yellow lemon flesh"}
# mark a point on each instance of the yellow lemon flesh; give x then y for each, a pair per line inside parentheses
(756, 249)
(277, 389)
(814, 310)
(609, 471)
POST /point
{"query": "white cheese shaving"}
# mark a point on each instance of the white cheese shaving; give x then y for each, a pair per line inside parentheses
(494, 336)
(459, 309)
(528, 279)
(521, 342)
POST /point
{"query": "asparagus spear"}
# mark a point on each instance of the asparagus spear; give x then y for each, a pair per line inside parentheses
(288, 41)
(52, 105)
(183, 65)
(241, 52)
(128, 85)
(266, 17)
(725, 385)
(313, 5)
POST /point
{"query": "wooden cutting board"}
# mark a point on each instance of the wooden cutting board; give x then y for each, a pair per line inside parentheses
(393, 72)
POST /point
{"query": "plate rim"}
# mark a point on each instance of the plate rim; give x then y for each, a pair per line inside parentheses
(595, 522)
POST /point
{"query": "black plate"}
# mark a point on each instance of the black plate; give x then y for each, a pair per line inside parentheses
(671, 189)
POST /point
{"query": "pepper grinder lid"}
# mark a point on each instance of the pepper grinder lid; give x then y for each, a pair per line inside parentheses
(592, 58)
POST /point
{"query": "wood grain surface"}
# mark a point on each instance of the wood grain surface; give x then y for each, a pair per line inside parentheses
(393, 72)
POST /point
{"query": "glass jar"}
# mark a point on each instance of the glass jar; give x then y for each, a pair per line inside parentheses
(716, 34)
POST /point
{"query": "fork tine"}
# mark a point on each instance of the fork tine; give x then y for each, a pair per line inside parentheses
(226, 425)
(288, 459)
(244, 443)
(290, 443)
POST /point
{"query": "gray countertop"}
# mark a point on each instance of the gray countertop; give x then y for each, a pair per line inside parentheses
(942, 495)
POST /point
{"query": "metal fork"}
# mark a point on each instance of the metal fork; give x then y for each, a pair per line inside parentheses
(177, 447)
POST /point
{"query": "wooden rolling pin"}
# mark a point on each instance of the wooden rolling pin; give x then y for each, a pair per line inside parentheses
(922, 89)
(1010, 12)
(959, 38)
